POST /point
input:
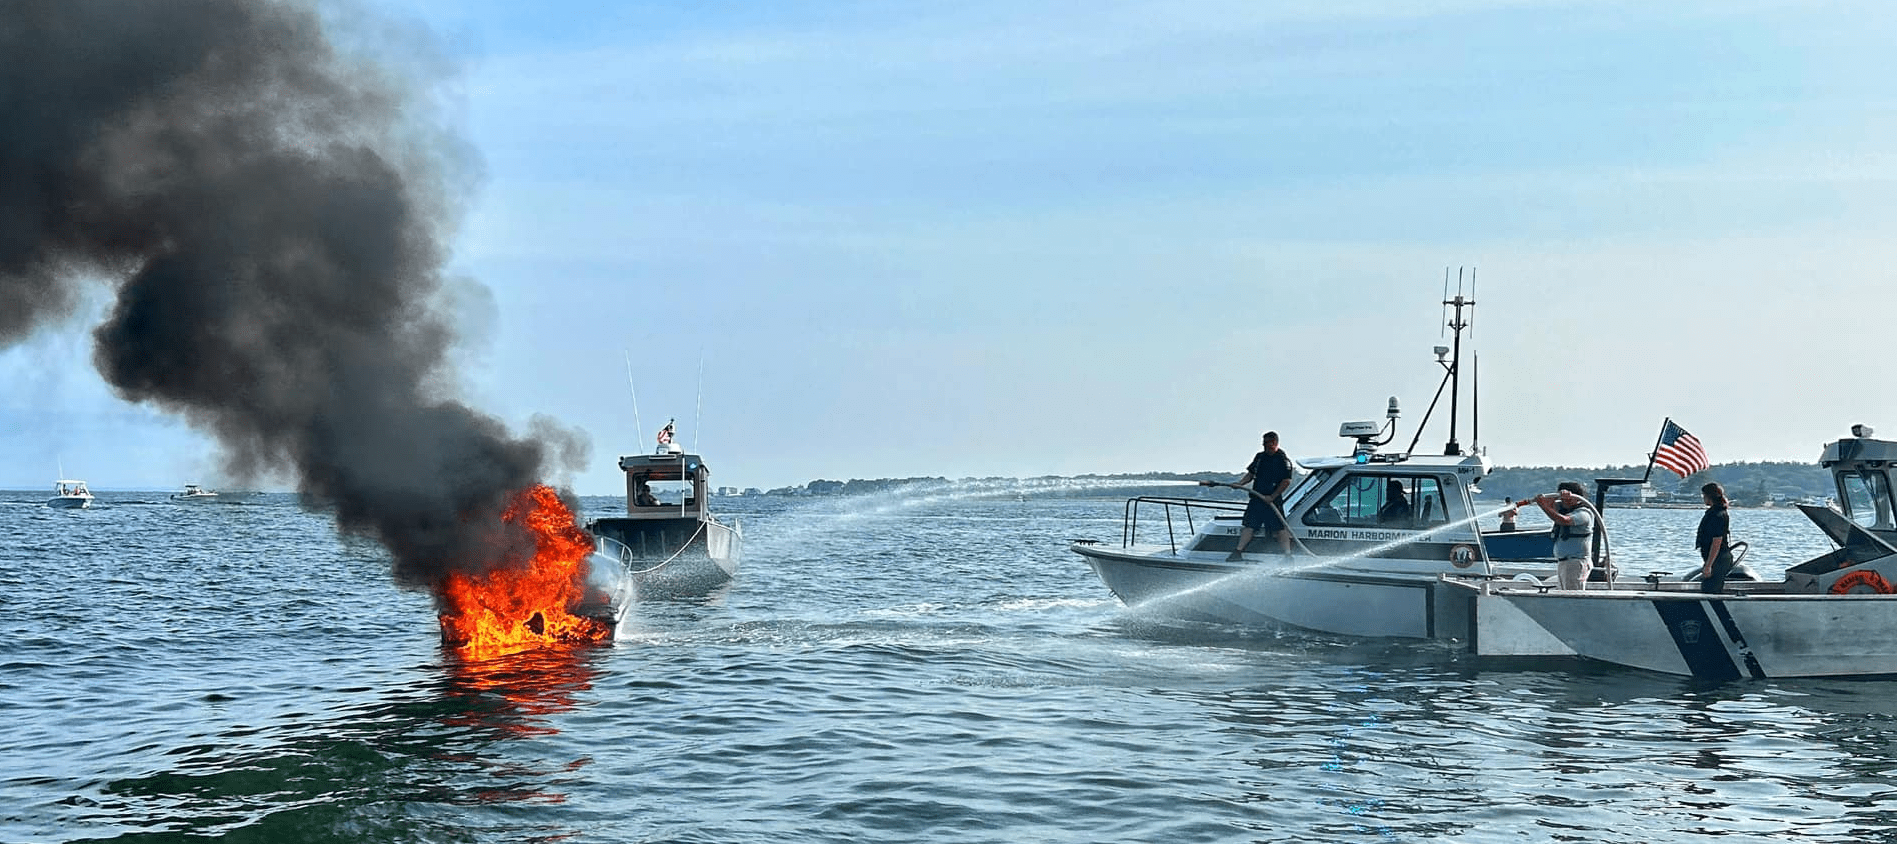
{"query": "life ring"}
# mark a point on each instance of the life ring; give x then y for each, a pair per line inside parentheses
(1462, 556)
(1871, 580)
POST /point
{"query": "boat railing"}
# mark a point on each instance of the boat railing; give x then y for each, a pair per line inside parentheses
(624, 553)
(1173, 509)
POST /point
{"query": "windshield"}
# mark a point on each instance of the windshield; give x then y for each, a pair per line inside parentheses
(1866, 497)
(1301, 487)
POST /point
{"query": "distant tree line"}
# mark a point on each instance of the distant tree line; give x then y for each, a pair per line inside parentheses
(1747, 484)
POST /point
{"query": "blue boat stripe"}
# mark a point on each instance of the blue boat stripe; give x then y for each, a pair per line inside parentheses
(1732, 632)
(1705, 653)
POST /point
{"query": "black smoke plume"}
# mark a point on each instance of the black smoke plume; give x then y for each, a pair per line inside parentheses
(271, 208)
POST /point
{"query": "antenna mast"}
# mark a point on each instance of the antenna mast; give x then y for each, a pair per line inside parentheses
(698, 412)
(1456, 325)
(638, 430)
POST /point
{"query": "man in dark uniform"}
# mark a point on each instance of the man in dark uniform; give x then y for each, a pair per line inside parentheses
(1270, 475)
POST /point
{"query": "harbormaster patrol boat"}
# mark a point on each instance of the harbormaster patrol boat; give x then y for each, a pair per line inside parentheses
(1834, 615)
(1358, 568)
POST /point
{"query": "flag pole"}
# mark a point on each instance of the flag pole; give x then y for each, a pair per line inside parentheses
(1654, 454)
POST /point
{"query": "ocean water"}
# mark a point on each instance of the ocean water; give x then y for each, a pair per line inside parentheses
(901, 669)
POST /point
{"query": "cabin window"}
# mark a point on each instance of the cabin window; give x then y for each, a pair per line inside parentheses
(1393, 501)
(1866, 497)
(667, 493)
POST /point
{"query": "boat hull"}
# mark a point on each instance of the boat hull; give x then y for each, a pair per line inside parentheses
(69, 503)
(1713, 637)
(657, 559)
(1401, 599)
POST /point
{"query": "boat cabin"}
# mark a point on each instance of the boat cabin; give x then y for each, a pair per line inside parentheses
(1346, 505)
(1343, 493)
(667, 484)
(1861, 466)
(1862, 526)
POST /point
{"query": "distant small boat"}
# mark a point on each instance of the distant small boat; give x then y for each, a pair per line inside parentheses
(70, 495)
(193, 493)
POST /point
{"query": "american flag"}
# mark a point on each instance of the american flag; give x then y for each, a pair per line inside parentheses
(1679, 451)
(665, 434)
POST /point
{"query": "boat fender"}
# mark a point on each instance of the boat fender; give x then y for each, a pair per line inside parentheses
(1870, 580)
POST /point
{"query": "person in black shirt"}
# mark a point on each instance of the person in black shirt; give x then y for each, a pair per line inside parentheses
(1396, 505)
(1270, 475)
(1714, 540)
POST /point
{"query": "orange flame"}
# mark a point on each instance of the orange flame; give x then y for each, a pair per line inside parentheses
(508, 609)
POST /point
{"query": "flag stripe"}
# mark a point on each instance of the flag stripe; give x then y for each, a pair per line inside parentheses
(1679, 451)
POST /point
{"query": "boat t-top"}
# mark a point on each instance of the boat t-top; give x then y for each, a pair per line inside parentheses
(70, 495)
(1360, 566)
(193, 493)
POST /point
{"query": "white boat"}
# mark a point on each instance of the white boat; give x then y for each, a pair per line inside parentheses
(193, 493)
(70, 495)
(668, 545)
(1831, 616)
(1351, 573)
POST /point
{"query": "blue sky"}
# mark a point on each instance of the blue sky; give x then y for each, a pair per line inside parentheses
(1024, 238)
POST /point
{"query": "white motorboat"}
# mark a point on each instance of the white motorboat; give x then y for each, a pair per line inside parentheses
(668, 545)
(193, 493)
(1831, 616)
(70, 495)
(1352, 572)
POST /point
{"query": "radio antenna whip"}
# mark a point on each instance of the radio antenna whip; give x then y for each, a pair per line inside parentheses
(638, 430)
(1472, 310)
(698, 413)
(1441, 324)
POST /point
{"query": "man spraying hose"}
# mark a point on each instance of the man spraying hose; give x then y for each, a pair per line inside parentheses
(1270, 475)
(1574, 520)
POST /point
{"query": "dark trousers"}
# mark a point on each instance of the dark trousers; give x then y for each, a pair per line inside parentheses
(1722, 566)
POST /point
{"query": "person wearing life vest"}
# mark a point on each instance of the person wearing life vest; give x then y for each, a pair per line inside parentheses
(1574, 520)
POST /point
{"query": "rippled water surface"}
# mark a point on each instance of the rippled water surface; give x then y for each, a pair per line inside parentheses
(937, 669)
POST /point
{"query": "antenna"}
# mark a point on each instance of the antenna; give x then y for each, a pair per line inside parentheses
(1475, 387)
(638, 430)
(1443, 320)
(698, 412)
(1472, 310)
(1450, 358)
(1455, 363)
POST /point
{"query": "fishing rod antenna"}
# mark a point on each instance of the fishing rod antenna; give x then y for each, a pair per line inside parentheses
(638, 430)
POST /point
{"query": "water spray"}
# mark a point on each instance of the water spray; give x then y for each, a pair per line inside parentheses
(1282, 571)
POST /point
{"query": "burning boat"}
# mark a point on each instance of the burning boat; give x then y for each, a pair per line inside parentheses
(539, 600)
(580, 582)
